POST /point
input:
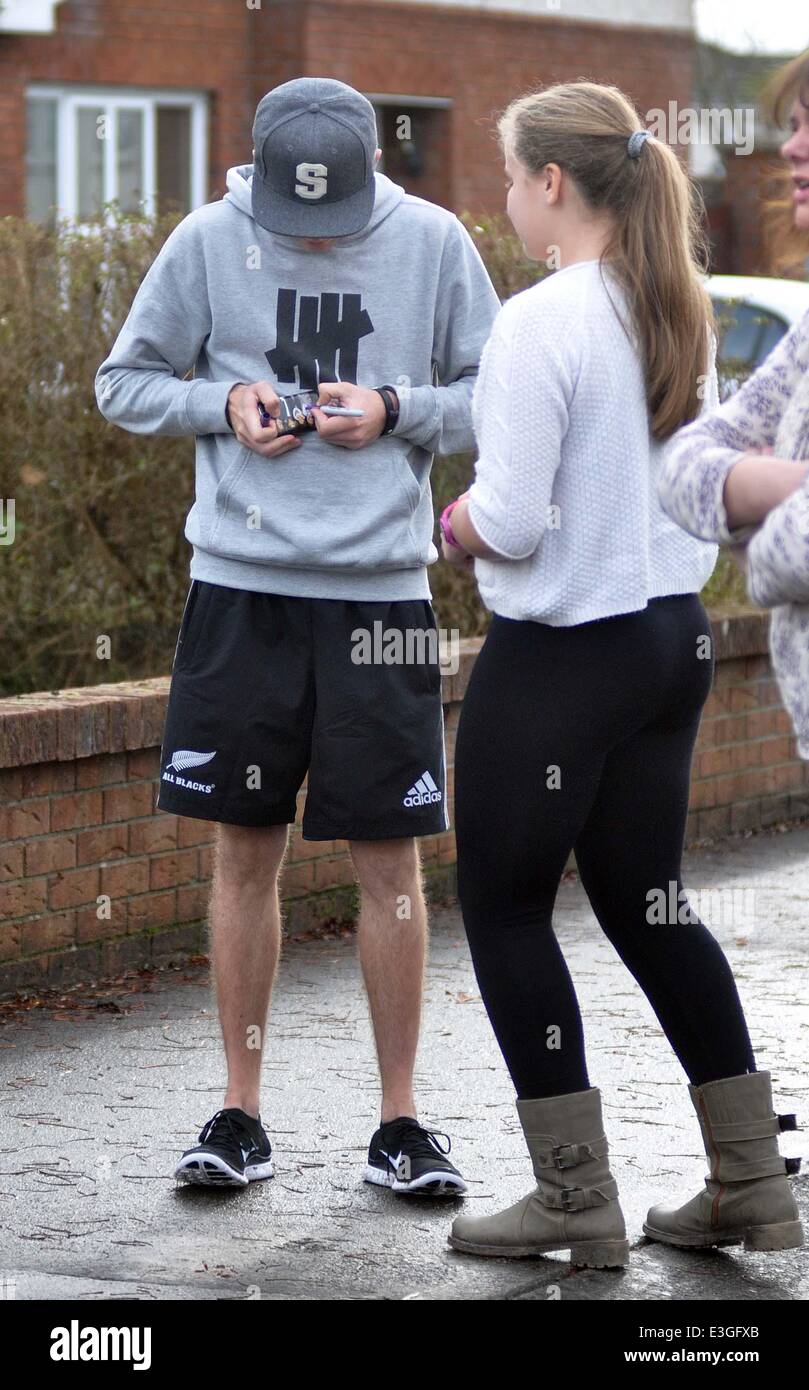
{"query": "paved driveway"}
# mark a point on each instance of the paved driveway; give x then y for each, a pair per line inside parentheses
(97, 1105)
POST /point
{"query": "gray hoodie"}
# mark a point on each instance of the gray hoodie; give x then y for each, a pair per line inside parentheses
(406, 300)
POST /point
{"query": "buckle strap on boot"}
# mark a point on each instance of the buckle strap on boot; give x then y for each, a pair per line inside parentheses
(787, 1121)
(741, 1171)
(576, 1198)
(571, 1155)
(748, 1129)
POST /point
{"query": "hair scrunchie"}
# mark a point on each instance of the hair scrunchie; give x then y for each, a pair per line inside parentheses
(636, 142)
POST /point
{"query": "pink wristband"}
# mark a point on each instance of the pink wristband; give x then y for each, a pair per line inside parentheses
(446, 525)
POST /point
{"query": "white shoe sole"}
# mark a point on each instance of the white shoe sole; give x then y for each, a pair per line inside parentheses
(209, 1170)
(438, 1184)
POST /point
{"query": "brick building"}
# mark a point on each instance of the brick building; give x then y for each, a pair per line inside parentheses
(738, 180)
(174, 84)
(179, 80)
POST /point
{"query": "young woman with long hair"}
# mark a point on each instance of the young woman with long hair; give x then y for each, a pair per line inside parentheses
(578, 725)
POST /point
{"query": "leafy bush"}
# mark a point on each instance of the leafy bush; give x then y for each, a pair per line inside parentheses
(99, 547)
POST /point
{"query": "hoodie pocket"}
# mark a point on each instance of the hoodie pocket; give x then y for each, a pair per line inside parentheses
(319, 507)
(226, 484)
(411, 486)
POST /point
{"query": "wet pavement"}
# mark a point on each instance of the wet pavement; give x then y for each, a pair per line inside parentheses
(96, 1105)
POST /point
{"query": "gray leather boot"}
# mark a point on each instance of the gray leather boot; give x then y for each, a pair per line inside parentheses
(575, 1203)
(747, 1197)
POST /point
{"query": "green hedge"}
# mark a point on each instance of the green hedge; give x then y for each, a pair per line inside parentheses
(99, 548)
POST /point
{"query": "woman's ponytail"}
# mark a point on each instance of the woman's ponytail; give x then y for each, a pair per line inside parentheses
(658, 252)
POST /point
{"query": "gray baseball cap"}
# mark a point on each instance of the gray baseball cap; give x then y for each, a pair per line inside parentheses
(314, 141)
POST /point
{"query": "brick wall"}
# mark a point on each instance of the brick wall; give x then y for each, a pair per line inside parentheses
(480, 60)
(78, 781)
(746, 774)
(115, 43)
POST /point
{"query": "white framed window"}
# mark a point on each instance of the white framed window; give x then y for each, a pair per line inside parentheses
(28, 16)
(423, 112)
(145, 149)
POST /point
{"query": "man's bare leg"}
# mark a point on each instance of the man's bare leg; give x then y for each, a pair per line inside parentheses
(392, 949)
(246, 939)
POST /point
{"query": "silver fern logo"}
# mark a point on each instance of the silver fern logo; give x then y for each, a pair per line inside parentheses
(186, 757)
(181, 761)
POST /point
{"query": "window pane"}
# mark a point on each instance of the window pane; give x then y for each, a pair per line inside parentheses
(742, 332)
(174, 158)
(129, 155)
(772, 333)
(40, 160)
(416, 150)
(90, 130)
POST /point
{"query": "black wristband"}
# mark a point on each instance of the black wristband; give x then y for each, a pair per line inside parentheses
(391, 409)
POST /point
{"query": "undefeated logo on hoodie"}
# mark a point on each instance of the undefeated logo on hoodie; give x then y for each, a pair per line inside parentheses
(328, 336)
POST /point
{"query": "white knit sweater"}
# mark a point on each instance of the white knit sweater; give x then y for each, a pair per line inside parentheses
(566, 480)
(772, 408)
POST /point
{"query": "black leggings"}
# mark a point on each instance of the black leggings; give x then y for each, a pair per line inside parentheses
(581, 738)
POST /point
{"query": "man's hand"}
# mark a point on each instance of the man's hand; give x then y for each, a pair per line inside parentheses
(243, 403)
(349, 431)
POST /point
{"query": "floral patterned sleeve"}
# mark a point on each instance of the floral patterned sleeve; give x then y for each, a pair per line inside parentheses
(701, 454)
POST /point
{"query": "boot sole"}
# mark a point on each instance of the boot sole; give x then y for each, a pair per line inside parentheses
(594, 1254)
(782, 1235)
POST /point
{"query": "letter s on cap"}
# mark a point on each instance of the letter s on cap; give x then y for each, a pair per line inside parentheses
(311, 180)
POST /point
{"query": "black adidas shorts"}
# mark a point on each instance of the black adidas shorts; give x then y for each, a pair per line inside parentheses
(265, 687)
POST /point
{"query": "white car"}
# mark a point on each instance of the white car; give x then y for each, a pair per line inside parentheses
(753, 314)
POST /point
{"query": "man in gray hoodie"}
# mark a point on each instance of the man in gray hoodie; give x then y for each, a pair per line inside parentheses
(308, 640)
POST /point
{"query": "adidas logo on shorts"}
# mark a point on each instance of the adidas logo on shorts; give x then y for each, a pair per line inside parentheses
(423, 792)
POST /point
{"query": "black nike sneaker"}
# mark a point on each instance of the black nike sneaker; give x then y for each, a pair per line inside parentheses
(407, 1158)
(233, 1150)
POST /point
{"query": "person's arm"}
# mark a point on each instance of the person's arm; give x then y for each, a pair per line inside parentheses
(465, 533)
(140, 385)
(695, 486)
(756, 484)
(438, 417)
(778, 554)
(522, 404)
(471, 545)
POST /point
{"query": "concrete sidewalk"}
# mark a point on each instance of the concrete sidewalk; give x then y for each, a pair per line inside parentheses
(97, 1107)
